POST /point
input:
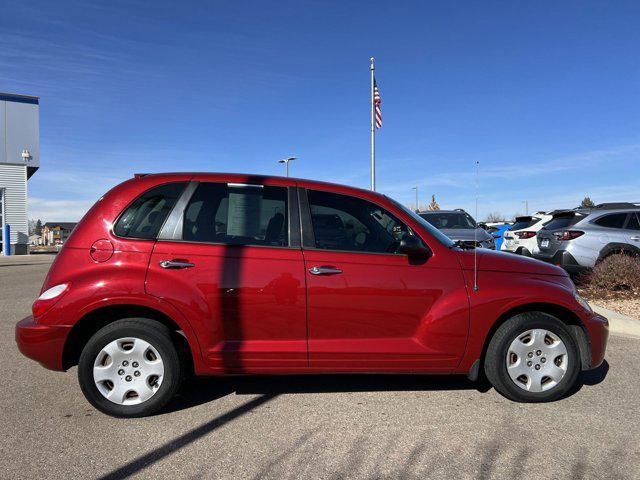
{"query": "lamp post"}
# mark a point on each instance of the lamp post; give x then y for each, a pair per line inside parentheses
(286, 163)
(416, 189)
(526, 206)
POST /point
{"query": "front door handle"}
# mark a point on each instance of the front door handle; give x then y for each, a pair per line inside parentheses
(324, 271)
(176, 264)
(635, 238)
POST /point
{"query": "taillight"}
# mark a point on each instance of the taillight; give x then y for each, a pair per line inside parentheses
(567, 234)
(523, 235)
(48, 298)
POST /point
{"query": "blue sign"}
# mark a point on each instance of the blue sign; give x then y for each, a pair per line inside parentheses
(6, 245)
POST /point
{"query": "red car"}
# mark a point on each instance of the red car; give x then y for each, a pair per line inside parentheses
(219, 274)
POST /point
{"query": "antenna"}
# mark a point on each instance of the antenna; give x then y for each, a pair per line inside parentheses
(475, 238)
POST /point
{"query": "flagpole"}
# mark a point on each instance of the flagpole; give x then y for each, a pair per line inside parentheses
(373, 129)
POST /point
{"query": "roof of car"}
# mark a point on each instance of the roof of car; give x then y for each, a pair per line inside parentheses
(457, 210)
(250, 178)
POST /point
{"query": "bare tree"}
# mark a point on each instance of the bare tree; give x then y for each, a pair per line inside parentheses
(495, 217)
(433, 205)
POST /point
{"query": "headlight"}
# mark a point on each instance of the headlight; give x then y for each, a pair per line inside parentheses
(583, 303)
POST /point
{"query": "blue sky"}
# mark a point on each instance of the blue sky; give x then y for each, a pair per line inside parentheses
(545, 95)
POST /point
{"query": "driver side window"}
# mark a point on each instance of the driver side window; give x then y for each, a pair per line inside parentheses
(342, 222)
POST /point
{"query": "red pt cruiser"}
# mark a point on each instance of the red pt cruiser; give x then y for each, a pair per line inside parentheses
(221, 274)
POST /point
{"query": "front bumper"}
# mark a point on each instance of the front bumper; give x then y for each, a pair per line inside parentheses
(564, 259)
(42, 343)
(598, 329)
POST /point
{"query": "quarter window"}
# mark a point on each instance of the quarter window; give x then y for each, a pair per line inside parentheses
(237, 215)
(615, 220)
(634, 222)
(342, 222)
(146, 214)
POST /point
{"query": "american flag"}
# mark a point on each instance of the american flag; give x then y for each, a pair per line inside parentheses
(377, 102)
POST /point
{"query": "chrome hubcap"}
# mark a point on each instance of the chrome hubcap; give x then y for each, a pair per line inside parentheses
(128, 371)
(537, 360)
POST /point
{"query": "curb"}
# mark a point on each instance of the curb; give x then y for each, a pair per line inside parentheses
(619, 324)
(19, 260)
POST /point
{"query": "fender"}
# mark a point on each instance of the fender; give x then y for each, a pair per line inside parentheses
(488, 305)
(155, 303)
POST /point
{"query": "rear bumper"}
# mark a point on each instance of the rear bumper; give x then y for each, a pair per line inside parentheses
(564, 259)
(42, 343)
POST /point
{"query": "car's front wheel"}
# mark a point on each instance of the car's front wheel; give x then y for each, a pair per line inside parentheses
(130, 368)
(532, 357)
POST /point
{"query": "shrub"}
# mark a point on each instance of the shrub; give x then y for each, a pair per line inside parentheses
(616, 272)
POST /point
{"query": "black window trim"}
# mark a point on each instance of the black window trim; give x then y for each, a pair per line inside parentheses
(308, 240)
(171, 231)
(624, 224)
(122, 212)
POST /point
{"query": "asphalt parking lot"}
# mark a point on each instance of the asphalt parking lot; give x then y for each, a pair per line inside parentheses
(313, 427)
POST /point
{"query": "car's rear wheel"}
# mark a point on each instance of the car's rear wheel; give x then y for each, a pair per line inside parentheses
(130, 368)
(532, 357)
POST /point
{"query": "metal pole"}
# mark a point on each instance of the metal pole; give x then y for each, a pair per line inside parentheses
(373, 130)
(286, 166)
(416, 189)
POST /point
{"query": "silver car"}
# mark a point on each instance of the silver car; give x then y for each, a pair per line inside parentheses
(458, 225)
(577, 239)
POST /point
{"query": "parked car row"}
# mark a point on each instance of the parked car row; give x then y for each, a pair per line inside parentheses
(578, 239)
(573, 239)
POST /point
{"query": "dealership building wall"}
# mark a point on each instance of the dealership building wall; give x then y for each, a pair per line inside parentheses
(19, 160)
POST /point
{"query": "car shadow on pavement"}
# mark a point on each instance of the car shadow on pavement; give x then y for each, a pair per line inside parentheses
(593, 377)
(201, 390)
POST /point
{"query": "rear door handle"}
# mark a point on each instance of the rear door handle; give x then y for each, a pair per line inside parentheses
(635, 238)
(324, 271)
(176, 264)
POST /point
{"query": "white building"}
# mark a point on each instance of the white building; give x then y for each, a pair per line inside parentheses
(19, 159)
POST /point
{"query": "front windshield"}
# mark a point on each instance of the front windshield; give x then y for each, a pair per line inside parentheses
(449, 220)
(441, 237)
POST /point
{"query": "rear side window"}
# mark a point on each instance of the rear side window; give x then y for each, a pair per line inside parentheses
(145, 216)
(237, 215)
(615, 220)
(634, 222)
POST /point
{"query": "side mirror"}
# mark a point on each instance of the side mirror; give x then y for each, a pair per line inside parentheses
(412, 247)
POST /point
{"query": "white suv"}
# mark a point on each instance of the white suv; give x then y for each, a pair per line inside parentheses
(521, 236)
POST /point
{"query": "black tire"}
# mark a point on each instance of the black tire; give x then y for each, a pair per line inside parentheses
(153, 332)
(495, 365)
(524, 252)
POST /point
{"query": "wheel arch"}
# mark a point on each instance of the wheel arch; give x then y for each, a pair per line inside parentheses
(98, 318)
(565, 315)
(617, 247)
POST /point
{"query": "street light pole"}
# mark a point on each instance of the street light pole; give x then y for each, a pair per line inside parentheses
(286, 163)
(416, 189)
(526, 206)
